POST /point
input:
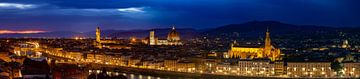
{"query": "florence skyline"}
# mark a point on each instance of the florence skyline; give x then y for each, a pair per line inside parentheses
(79, 16)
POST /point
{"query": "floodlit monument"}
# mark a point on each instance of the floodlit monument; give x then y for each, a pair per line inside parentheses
(250, 52)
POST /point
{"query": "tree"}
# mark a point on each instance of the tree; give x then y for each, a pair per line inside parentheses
(337, 67)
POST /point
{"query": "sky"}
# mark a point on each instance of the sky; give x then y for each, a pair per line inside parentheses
(85, 15)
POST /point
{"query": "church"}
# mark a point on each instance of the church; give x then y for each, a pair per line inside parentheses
(173, 38)
(255, 52)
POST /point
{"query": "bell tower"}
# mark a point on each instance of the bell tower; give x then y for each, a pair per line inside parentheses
(152, 40)
(98, 37)
(267, 43)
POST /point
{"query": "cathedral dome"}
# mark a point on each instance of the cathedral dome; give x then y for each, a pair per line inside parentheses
(173, 35)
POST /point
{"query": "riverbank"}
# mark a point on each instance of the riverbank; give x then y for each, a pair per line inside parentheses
(181, 75)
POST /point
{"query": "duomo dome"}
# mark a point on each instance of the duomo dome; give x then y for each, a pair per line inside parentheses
(173, 35)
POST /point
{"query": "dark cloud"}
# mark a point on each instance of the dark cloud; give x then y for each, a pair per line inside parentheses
(84, 15)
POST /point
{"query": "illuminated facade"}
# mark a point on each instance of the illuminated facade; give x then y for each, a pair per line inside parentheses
(185, 66)
(106, 43)
(132, 62)
(98, 38)
(309, 69)
(181, 66)
(351, 69)
(152, 40)
(345, 44)
(170, 64)
(173, 38)
(259, 68)
(268, 51)
(266, 68)
(4, 56)
(251, 68)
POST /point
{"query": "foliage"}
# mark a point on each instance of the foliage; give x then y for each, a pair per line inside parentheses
(336, 66)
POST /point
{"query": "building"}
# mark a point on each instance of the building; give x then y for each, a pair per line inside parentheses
(134, 62)
(309, 69)
(267, 68)
(75, 55)
(256, 68)
(345, 44)
(351, 69)
(5, 56)
(173, 38)
(170, 64)
(107, 43)
(156, 64)
(152, 40)
(250, 52)
(98, 38)
(185, 66)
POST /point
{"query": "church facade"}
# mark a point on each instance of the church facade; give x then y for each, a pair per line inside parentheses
(251, 52)
(173, 38)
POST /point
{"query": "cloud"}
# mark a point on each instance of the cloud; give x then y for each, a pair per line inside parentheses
(16, 6)
(132, 9)
(78, 15)
(20, 32)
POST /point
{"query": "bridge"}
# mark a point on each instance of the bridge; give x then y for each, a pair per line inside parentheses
(62, 57)
(50, 53)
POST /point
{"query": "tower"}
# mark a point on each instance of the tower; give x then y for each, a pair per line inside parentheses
(267, 47)
(152, 38)
(98, 37)
(345, 44)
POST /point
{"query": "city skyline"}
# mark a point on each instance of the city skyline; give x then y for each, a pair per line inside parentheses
(173, 57)
(179, 39)
(78, 16)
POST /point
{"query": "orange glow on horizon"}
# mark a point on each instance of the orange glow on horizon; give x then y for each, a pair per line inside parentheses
(20, 31)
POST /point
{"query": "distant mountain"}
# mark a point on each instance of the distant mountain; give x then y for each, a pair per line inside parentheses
(185, 33)
(257, 29)
(248, 30)
(104, 33)
(262, 26)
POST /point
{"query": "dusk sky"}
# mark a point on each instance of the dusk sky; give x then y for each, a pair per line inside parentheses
(85, 15)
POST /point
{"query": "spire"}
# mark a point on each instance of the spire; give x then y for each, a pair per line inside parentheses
(173, 27)
(267, 33)
(267, 42)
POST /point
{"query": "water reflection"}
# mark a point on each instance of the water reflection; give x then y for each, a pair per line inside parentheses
(139, 76)
(129, 75)
(38, 56)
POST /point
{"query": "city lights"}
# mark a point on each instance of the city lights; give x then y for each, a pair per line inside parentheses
(182, 39)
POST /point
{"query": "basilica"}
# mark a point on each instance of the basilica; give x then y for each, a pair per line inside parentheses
(251, 52)
(173, 38)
